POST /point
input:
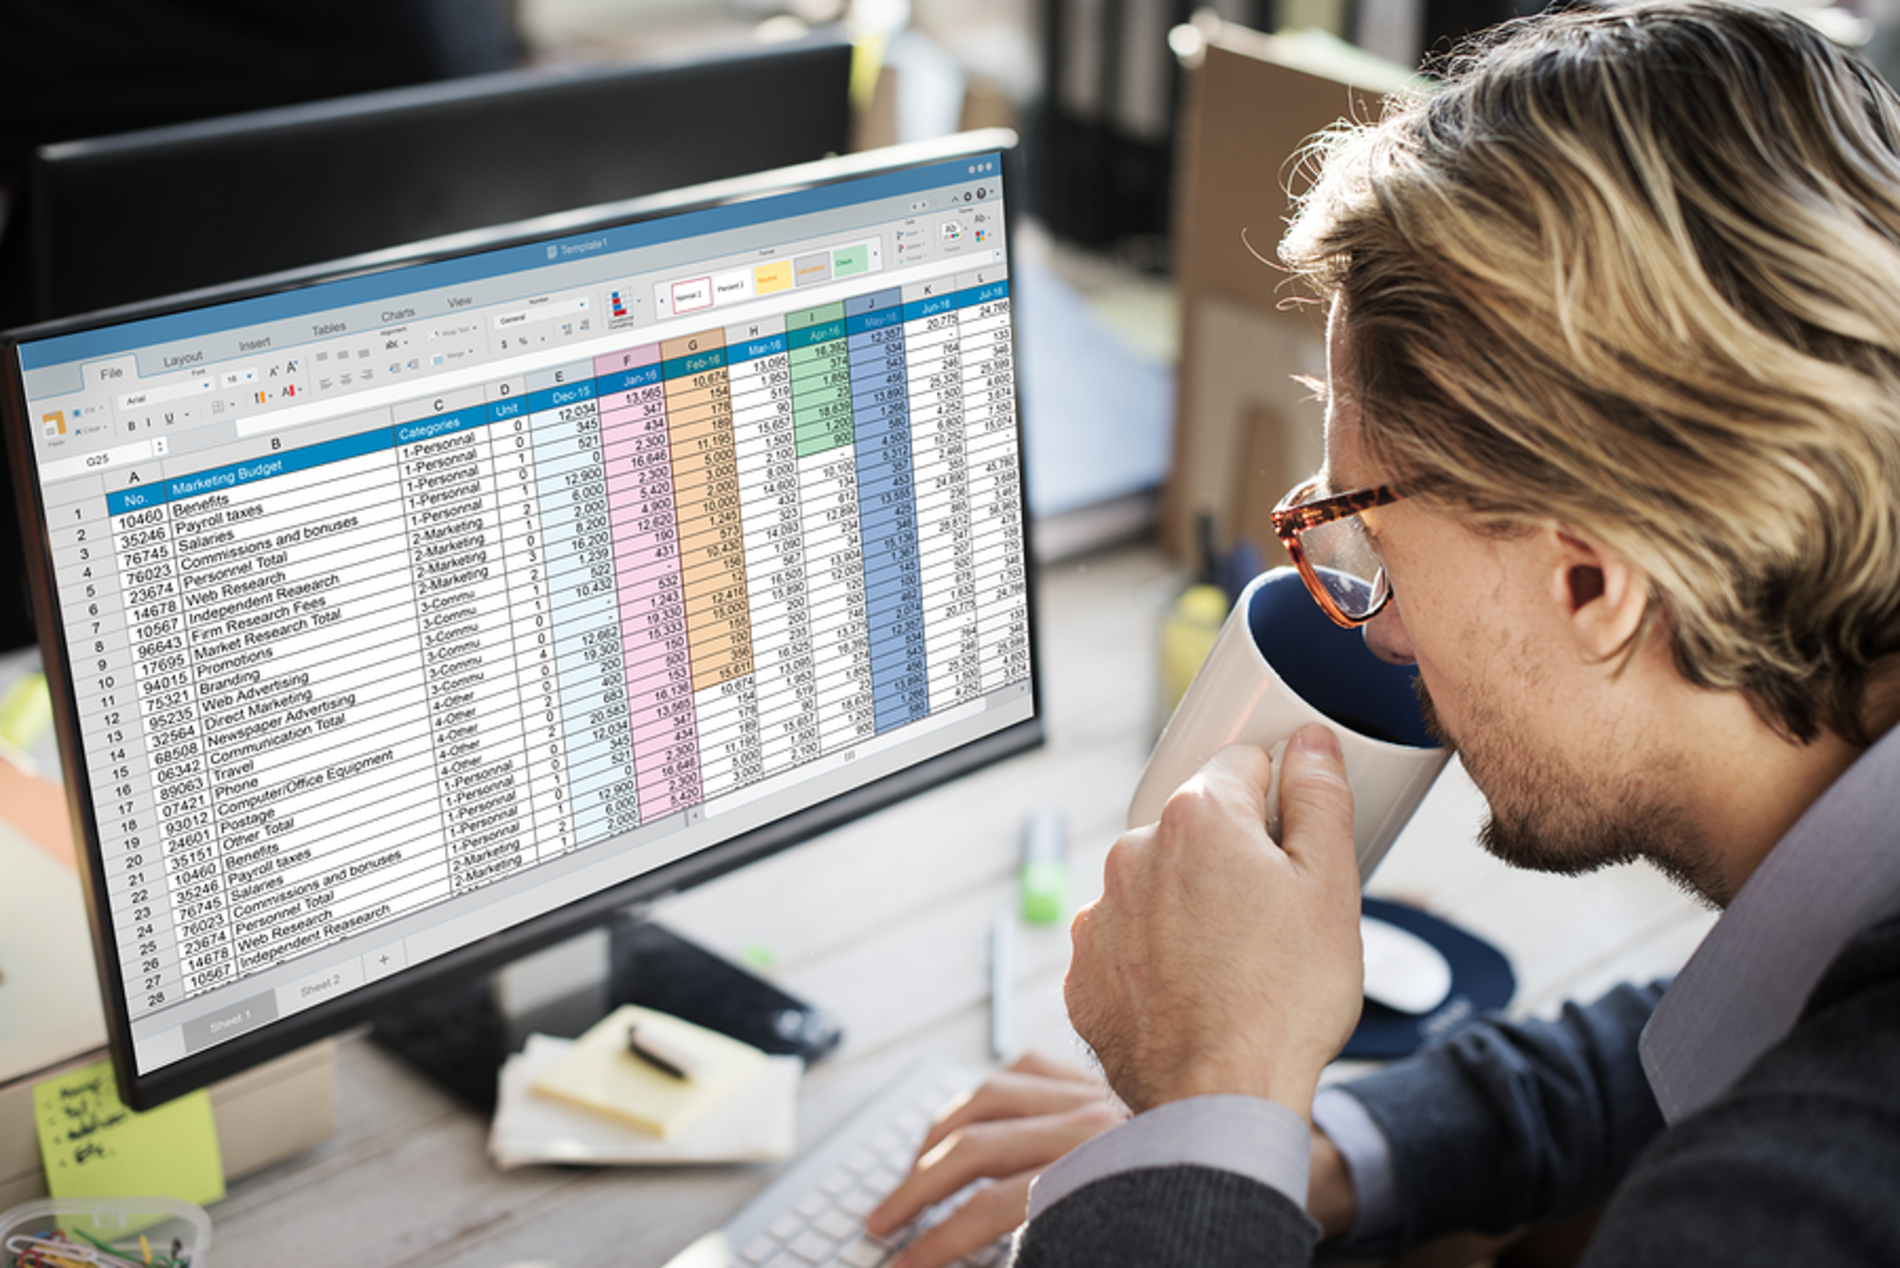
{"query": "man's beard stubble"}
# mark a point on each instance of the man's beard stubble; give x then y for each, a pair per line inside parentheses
(1540, 813)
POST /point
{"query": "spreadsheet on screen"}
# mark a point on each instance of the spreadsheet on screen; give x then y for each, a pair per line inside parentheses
(403, 607)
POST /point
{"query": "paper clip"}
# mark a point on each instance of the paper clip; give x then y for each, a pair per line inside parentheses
(57, 1250)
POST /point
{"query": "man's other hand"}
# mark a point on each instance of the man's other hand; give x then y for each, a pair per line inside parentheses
(1219, 961)
(1008, 1130)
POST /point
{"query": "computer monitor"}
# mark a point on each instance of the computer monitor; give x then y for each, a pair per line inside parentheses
(403, 620)
(162, 211)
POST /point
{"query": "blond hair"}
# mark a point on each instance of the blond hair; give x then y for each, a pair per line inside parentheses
(1639, 270)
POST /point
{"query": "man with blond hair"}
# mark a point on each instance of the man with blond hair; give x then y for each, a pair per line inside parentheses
(1613, 455)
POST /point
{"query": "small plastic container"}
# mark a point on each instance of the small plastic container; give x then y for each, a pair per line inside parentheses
(117, 1222)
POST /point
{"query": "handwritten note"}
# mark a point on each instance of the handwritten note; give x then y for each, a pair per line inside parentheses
(93, 1146)
(26, 710)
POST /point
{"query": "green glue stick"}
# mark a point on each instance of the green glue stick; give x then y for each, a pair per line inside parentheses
(1045, 871)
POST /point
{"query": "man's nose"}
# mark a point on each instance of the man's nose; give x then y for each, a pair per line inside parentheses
(1388, 638)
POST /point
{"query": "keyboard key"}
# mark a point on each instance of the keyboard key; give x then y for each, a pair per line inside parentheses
(886, 1142)
(861, 1162)
(760, 1250)
(785, 1225)
(836, 1225)
(859, 1202)
(785, 1260)
(812, 1247)
(883, 1180)
(863, 1253)
(811, 1204)
(839, 1182)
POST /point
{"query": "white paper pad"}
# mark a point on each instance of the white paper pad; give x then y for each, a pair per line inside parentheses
(758, 1123)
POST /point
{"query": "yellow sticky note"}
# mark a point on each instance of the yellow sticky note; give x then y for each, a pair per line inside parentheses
(598, 1073)
(94, 1147)
(26, 711)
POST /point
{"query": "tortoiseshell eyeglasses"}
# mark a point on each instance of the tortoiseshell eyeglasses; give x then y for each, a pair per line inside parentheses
(1328, 543)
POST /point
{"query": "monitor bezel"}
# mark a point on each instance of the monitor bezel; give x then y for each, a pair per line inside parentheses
(484, 955)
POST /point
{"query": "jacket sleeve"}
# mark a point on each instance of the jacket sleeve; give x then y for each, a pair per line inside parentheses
(1501, 1125)
(1194, 1217)
(1507, 1124)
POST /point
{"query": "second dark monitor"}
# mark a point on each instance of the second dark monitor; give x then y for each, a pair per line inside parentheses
(143, 214)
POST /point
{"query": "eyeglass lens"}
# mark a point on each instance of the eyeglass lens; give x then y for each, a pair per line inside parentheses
(1345, 564)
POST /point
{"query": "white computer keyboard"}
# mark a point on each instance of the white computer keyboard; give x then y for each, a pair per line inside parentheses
(813, 1215)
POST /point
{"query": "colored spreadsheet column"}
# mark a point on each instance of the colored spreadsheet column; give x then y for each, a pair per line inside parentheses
(571, 481)
(712, 560)
(828, 497)
(652, 601)
(887, 512)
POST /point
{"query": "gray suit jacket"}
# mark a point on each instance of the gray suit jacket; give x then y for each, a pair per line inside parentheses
(1506, 1125)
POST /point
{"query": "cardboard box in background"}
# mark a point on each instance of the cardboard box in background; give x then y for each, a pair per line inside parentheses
(1245, 430)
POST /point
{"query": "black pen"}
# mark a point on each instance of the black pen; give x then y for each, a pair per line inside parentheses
(658, 1053)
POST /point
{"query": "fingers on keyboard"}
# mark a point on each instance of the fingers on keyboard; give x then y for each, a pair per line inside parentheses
(824, 1228)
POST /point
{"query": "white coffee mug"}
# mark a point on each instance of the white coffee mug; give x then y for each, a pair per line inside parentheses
(1279, 664)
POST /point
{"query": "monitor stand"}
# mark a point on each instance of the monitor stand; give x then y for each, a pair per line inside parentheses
(459, 1036)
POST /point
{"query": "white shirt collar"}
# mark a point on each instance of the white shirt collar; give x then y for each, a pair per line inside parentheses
(1836, 872)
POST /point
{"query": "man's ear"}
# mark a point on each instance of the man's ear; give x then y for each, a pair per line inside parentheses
(1603, 598)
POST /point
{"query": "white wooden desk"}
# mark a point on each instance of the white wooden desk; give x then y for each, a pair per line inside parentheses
(886, 922)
